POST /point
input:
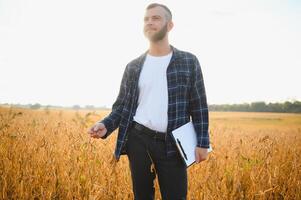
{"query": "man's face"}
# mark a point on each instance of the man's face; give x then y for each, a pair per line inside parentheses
(155, 24)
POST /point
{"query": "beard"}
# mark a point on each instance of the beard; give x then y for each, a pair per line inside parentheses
(159, 35)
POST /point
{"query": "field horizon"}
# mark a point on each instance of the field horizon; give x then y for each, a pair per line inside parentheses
(47, 154)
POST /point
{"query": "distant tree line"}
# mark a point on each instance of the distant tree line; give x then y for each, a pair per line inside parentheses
(39, 106)
(286, 107)
(261, 106)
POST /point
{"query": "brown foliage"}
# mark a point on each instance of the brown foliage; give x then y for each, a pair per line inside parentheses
(47, 154)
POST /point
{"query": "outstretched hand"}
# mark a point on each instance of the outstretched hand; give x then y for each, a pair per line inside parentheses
(98, 130)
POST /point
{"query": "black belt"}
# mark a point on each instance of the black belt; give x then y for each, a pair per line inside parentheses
(150, 132)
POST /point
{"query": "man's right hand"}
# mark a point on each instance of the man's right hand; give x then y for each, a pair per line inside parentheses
(98, 130)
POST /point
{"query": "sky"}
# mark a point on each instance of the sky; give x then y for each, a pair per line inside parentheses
(72, 52)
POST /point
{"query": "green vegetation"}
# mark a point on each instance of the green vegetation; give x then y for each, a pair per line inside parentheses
(286, 107)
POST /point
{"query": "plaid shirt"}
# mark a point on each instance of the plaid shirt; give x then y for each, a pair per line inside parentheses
(186, 98)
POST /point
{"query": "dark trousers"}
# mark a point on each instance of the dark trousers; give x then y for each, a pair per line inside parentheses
(142, 151)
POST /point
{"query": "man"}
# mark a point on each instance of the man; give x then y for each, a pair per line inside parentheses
(160, 91)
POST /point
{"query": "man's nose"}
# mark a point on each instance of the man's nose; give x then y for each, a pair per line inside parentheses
(148, 22)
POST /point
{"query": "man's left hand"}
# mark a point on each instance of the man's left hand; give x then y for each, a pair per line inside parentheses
(200, 154)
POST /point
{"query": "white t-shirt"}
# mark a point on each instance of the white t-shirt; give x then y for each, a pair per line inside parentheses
(153, 94)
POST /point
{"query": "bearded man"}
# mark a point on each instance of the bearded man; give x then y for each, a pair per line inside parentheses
(160, 91)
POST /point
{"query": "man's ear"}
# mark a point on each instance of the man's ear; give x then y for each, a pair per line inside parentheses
(169, 25)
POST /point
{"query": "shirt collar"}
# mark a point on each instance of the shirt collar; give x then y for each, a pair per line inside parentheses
(175, 55)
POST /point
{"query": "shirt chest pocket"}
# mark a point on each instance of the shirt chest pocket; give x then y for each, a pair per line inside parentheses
(183, 84)
(183, 79)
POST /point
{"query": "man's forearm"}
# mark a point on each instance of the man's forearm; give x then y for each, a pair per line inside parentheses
(112, 121)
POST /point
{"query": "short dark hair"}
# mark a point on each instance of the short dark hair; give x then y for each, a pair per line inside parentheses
(153, 5)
